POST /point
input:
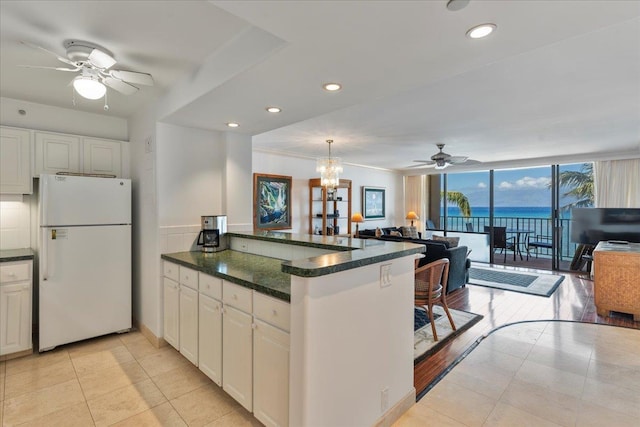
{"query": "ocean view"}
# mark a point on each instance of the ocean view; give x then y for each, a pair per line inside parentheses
(512, 211)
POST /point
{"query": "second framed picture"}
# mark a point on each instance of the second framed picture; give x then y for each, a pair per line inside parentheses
(373, 203)
(271, 202)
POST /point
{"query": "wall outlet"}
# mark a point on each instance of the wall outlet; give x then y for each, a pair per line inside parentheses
(385, 275)
(244, 246)
(384, 399)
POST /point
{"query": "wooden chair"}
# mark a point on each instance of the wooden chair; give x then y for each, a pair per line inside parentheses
(500, 240)
(429, 289)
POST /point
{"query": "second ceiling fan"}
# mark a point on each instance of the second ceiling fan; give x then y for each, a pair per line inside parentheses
(441, 160)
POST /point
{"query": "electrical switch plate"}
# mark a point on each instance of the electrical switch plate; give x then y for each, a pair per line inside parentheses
(385, 275)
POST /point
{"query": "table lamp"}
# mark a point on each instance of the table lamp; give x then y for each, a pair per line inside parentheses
(412, 215)
(357, 218)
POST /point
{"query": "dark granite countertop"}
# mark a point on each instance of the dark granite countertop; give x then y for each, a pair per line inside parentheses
(8, 255)
(350, 253)
(257, 272)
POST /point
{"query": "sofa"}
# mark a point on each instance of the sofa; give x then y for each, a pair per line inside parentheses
(458, 262)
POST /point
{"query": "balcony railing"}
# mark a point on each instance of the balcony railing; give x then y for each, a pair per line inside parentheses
(538, 227)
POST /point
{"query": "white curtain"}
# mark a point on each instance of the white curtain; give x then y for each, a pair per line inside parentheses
(617, 183)
(415, 198)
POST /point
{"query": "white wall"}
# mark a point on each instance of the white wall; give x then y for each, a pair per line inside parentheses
(63, 120)
(190, 174)
(303, 169)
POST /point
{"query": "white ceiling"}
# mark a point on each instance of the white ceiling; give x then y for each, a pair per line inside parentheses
(558, 80)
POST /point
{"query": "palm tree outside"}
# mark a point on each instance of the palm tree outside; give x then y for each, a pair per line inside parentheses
(579, 185)
(459, 199)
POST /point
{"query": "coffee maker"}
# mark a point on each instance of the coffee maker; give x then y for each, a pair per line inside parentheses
(213, 237)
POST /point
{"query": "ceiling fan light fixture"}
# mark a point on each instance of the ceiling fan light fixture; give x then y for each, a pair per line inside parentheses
(88, 87)
(480, 31)
(441, 164)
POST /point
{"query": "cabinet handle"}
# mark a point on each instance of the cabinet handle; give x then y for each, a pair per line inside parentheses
(12, 274)
(235, 296)
(25, 287)
(275, 312)
(254, 326)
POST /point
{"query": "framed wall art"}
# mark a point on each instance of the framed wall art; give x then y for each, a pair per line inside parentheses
(271, 202)
(373, 203)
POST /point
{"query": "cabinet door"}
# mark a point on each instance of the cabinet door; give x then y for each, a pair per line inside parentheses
(189, 324)
(57, 153)
(172, 313)
(15, 161)
(15, 317)
(237, 355)
(102, 157)
(270, 375)
(210, 338)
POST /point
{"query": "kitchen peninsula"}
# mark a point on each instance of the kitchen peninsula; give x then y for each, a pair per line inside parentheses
(349, 320)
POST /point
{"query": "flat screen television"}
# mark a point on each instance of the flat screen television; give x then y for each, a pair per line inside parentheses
(591, 225)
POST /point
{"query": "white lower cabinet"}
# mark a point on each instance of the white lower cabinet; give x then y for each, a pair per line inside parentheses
(270, 374)
(210, 338)
(238, 337)
(237, 356)
(189, 323)
(15, 306)
(171, 320)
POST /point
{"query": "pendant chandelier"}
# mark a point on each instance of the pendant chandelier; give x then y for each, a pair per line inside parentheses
(329, 168)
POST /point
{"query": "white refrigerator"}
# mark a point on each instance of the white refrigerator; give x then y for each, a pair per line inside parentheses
(84, 258)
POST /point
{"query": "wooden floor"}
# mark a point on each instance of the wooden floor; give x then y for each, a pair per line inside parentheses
(573, 300)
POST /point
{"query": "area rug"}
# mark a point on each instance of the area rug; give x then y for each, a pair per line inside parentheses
(423, 343)
(528, 283)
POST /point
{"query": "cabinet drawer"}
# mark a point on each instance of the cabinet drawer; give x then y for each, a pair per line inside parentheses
(236, 296)
(210, 286)
(189, 277)
(170, 270)
(271, 310)
(15, 271)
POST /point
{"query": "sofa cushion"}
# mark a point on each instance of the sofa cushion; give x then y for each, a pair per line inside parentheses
(453, 241)
(388, 230)
(395, 233)
(411, 232)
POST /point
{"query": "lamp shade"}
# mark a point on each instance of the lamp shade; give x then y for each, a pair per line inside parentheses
(412, 215)
(88, 87)
(357, 217)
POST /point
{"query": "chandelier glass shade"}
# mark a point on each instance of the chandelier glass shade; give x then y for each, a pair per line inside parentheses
(330, 169)
(89, 87)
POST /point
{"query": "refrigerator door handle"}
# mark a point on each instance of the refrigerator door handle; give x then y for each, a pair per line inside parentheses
(44, 259)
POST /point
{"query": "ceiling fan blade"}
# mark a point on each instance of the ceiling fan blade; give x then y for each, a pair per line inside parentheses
(60, 58)
(73, 70)
(133, 77)
(424, 164)
(119, 86)
(100, 59)
(457, 159)
(423, 161)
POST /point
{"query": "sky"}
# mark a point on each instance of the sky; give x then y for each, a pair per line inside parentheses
(514, 187)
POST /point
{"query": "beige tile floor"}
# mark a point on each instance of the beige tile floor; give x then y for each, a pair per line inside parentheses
(540, 374)
(115, 380)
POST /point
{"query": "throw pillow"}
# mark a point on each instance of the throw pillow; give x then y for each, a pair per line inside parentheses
(378, 232)
(396, 234)
(411, 232)
(453, 241)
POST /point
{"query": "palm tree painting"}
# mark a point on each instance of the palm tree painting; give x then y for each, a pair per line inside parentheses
(272, 199)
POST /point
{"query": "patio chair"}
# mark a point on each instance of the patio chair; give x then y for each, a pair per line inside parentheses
(429, 289)
(469, 226)
(501, 241)
(543, 241)
(431, 225)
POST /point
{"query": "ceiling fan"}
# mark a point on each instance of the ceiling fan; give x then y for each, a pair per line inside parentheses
(93, 63)
(441, 159)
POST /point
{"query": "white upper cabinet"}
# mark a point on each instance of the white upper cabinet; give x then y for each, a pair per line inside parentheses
(102, 156)
(15, 158)
(77, 154)
(57, 153)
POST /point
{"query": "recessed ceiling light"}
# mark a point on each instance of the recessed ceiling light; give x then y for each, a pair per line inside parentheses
(274, 109)
(332, 87)
(233, 124)
(454, 5)
(480, 31)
